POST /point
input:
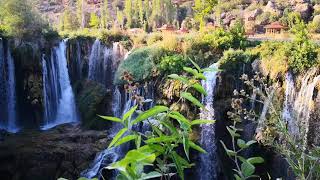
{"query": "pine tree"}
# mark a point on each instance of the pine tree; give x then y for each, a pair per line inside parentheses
(141, 11)
(120, 17)
(105, 14)
(80, 13)
(128, 12)
(202, 9)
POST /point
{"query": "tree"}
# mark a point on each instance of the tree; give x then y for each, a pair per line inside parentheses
(120, 18)
(94, 21)
(80, 13)
(18, 19)
(202, 8)
(128, 12)
(68, 22)
(105, 14)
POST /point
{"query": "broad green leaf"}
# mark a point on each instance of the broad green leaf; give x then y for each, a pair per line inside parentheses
(201, 76)
(179, 78)
(237, 177)
(195, 65)
(241, 143)
(199, 88)
(247, 169)
(196, 147)
(190, 70)
(184, 122)
(129, 114)
(117, 137)
(161, 139)
(228, 151)
(192, 99)
(157, 130)
(150, 113)
(109, 118)
(202, 121)
(125, 139)
(255, 160)
(150, 175)
(180, 164)
(186, 145)
(249, 143)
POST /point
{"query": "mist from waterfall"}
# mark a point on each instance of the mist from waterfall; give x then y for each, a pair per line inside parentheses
(8, 119)
(208, 162)
(58, 95)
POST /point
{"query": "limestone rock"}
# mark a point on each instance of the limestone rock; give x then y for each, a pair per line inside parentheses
(304, 9)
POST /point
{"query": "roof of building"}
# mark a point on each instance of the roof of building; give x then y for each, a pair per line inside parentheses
(167, 27)
(275, 25)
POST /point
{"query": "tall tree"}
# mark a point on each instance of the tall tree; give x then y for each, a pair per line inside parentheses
(128, 12)
(80, 13)
(141, 12)
(120, 18)
(105, 14)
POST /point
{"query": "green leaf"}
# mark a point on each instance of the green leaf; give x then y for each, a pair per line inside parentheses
(232, 132)
(196, 147)
(228, 151)
(161, 139)
(150, 175)
(201, 76)
(190, 70)
(109, 118)
(186, 145)
(184, 122)
(150, 113)
(242, 144)
(195, 65)
(117, 137)
(179, 78)
(249, 143)
(125, 139)
(255, 160)
(138, 141)
(170, 126)
(199, 88)
(129, 114)
(247, 169)
(202, 121)
(192, 99)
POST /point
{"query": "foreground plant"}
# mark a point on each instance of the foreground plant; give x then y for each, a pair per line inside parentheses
(171, 130)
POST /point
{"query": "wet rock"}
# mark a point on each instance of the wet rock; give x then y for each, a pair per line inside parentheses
(61, 152)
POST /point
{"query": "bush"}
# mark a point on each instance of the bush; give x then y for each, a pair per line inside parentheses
(140, 64)
(219, 39)
(172, 64)
(153, 38)
(233, 59)
(109, 37)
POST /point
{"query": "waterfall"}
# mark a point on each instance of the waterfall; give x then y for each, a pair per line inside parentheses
(96, 68)
(7, 90)
(58, 95)
(288, 105)
(109, 156)
(208, 162)
(299, 104)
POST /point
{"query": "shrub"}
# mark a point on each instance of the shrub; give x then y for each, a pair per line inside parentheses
(232, 59)
(109, 37)
(219, 39)
(172, 64)
(153, 38)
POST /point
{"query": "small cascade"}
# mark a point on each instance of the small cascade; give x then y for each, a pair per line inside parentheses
(7, 90)
(78, 61)
(58, 95)
(103, 61)
(288, 105)
(208, 162)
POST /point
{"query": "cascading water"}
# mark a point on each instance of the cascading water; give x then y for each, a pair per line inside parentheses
(288, 105)
(7, 90)
(96, 65)
(208, 162)
(109, 156)
(299, 104)
(58, 95)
